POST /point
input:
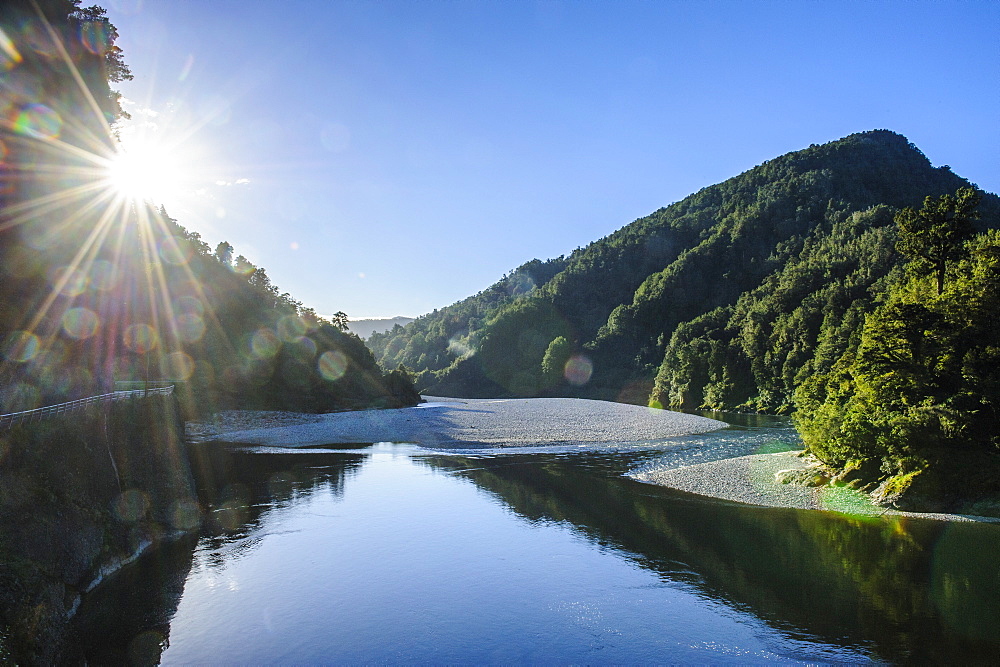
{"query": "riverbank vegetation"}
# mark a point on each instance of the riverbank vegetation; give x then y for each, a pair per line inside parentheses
(910, 409)
(82, 494)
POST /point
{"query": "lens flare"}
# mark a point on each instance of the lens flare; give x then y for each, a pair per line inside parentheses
(131, 505)
(80, 323)
(291, 327)
(141, 338)
(69, 281)
(265, 344)
(305, 347)
(9, 55)
(21, 346)
(177, 366)
(95, 37)
(189, 304)
(184, 515)
(332, 365)
(39, 122)
(578, 370)
(190, 327)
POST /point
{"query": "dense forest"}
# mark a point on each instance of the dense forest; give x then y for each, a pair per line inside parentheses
(814, 284)
(98, 288)
(727, 299)
(909, 410)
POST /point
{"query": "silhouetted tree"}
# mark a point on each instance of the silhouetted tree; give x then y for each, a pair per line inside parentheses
(224, 253)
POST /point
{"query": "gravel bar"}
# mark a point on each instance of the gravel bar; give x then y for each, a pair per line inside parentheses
(471, 422)
(744, 479)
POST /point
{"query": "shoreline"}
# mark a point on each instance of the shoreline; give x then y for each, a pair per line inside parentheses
(471, 423)
(750, 480)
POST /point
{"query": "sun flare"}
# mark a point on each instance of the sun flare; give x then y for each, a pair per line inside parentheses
(147, 171)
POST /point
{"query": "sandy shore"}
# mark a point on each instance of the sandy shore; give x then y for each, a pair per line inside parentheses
(459, 423)
(751, 480)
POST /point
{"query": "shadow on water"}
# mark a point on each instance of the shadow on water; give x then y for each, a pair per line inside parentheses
(901, 589)
(128, 620)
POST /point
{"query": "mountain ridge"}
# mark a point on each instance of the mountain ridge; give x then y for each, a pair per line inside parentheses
(620, 301)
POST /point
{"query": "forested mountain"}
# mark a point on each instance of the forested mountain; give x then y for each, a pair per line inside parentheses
(726, 299)
(98, 287)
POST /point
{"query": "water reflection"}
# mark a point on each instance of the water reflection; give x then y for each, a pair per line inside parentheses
(905, 589)
(242, 492)
(398, 554)
(240, 486)
(128, 621)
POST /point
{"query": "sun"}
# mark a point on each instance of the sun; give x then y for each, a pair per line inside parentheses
(145, 170)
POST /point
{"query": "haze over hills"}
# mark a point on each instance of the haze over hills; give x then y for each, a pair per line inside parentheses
(728, 298)
(363, 328)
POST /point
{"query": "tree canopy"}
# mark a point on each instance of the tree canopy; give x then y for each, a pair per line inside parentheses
(935, 236)
(97, 289)
(916, 395)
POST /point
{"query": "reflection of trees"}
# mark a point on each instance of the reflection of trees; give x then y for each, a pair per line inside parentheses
(905, 589)
(238, 488)
(127, 620)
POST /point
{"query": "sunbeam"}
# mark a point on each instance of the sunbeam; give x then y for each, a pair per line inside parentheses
(92, 192)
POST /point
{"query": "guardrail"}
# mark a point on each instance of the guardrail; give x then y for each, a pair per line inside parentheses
(38, 414)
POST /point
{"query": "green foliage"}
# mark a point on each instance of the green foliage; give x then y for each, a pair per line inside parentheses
(730, 298)
(94, 288)
(935, 236)
(797, 321)
(515, 343)
(554, 361)
(920, 384)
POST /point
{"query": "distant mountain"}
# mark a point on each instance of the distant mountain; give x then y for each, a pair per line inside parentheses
(725, 299)
(365, 328)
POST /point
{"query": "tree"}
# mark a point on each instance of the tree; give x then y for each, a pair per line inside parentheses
(340, 320)
(935, 236)
(554, 361)
(224, 253)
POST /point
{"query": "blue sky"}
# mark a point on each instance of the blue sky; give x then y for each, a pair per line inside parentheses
(388, 158)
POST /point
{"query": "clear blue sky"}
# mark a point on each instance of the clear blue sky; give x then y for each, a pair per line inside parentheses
(388, 158)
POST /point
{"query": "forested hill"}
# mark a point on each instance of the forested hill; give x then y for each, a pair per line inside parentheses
(726, 299)
(98, 287)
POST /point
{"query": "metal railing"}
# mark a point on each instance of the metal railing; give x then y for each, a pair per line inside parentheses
(38, 414)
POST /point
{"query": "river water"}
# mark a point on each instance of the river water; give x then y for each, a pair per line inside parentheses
(393, 553)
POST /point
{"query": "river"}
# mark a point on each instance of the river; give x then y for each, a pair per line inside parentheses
(394, 553)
